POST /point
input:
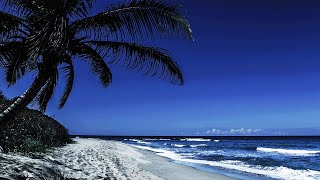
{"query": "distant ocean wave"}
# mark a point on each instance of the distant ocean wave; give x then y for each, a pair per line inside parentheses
(199, 145)
(210, 153)
(134, 140)
(183, 145)
(293, 152)
(195, 139)
(176, 145)
(139, 141)
(154, 139)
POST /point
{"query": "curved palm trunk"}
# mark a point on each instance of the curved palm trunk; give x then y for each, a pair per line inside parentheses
(24, 100)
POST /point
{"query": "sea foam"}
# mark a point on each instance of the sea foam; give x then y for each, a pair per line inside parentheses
(177, 145)
(195, 139)
(161, 139)
(293, 152)
(198, 145)
(139, 141)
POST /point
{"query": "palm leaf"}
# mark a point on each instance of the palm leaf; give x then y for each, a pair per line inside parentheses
(27, 7)
(46, 93)
(98, 66)
(9, 24)
(24, 7)
(78, 8)
(151, 61)
(52, 38)
(138, 18)
(69, 76)
(16, 62)
(4, 54)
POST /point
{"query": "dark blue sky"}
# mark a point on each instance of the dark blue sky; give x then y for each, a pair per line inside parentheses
(254, 65)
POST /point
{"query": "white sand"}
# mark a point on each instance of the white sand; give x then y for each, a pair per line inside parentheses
(99, 159)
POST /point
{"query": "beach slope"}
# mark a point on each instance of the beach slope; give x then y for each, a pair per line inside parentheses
(99, 159)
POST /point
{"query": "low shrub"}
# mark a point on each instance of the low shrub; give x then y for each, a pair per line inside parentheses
(31, 131)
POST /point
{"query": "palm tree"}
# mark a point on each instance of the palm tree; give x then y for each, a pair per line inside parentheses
(48, 37)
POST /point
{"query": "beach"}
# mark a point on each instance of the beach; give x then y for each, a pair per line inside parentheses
(99, 159)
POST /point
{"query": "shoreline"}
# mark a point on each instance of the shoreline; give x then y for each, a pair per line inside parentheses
(100, 159)
(166, 168)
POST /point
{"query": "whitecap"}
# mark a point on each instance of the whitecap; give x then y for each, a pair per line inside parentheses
(293, 152)
(161, 152)
(284, 173)
(188, 155)
(198, 145)
(178, 145)
(134, 140)
(143, 142)
(210, 153)
(175, 145)
(195, 139)
(139, 141)
(161, 139)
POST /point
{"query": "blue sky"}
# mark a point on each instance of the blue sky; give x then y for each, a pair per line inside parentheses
(253, 68)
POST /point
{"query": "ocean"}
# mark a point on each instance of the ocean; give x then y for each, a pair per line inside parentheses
(249, 158)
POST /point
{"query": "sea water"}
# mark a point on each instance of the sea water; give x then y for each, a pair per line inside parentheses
(241, 157)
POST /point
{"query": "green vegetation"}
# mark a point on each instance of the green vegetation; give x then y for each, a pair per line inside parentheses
(31, 131)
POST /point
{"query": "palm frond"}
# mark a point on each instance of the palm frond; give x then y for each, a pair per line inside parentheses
(68, 70)
(151, 61)
(98, 66)
(52, 38)
(16, 62)
(46, 93)
(138, 19)
(78, 8)
(16, 69)
(24, 6)
(9, 24)
(28, 7)
(4, 54)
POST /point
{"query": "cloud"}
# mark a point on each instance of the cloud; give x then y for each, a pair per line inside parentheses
(264, 132)
(280, 133)
(241, 131)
